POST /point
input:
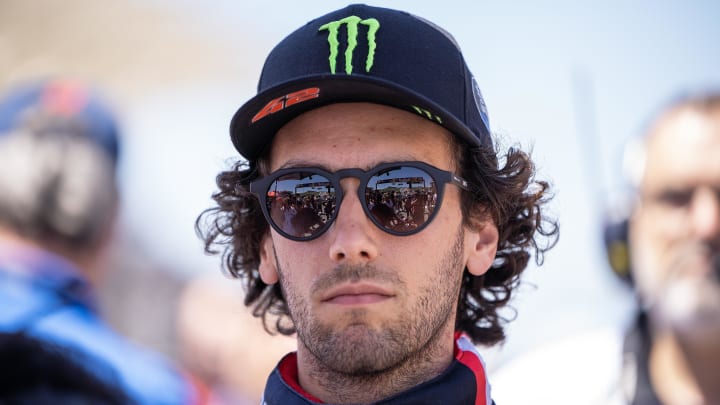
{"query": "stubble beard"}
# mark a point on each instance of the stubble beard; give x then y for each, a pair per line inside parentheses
(360, 352)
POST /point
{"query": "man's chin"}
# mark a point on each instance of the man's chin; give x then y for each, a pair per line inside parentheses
(690, 311)
(358, 349)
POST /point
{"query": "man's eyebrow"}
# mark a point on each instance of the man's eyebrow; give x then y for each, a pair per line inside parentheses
(293, 163)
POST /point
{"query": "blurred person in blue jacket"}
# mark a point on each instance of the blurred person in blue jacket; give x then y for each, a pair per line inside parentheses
(58, 202)
(671, 352)
(38, 371)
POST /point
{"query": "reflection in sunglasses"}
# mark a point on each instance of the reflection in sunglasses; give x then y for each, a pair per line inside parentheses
(400, 199)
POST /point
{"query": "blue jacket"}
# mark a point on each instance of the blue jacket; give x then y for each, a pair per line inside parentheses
(46, 297)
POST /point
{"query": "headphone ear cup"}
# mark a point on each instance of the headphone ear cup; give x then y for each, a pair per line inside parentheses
(617, 248)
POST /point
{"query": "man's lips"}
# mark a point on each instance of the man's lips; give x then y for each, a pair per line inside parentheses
(356, 294)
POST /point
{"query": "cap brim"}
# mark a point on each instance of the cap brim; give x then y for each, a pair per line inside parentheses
(251, 139)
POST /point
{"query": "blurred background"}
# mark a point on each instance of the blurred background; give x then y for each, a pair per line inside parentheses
(571, 81)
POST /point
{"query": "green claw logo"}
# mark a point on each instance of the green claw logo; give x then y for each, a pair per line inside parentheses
(351, 23)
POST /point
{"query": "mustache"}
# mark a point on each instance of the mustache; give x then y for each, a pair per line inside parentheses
(685, 259)
(347, 273)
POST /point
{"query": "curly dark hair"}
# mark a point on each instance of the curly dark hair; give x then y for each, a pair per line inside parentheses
(509, 195)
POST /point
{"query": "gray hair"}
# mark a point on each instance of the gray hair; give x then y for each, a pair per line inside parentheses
(705, 101)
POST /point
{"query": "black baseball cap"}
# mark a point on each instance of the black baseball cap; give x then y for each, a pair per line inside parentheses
(363, 54)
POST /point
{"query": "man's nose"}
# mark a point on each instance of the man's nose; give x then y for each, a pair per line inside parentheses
(706, 213)
(353, 234)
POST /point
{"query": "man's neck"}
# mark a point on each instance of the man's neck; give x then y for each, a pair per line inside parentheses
(334, 387)
(80, 260)
(670, 375)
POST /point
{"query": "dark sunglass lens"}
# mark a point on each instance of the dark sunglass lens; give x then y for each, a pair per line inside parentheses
(401, 198)
(301, 203)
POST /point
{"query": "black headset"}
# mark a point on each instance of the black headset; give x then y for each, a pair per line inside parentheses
(617, 247)
(616, 220)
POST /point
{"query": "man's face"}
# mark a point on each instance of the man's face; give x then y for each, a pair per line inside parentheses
(675, 233)
(364, 300)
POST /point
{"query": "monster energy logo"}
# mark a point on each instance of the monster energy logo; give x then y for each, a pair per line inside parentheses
(352, 34)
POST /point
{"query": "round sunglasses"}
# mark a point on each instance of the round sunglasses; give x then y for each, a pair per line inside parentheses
(401, 198)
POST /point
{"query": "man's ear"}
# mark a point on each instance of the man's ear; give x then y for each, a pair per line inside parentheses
(481, 240)
(268, 265)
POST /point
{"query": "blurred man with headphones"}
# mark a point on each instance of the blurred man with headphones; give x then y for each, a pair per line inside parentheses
(58, 203)
(668, 249)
